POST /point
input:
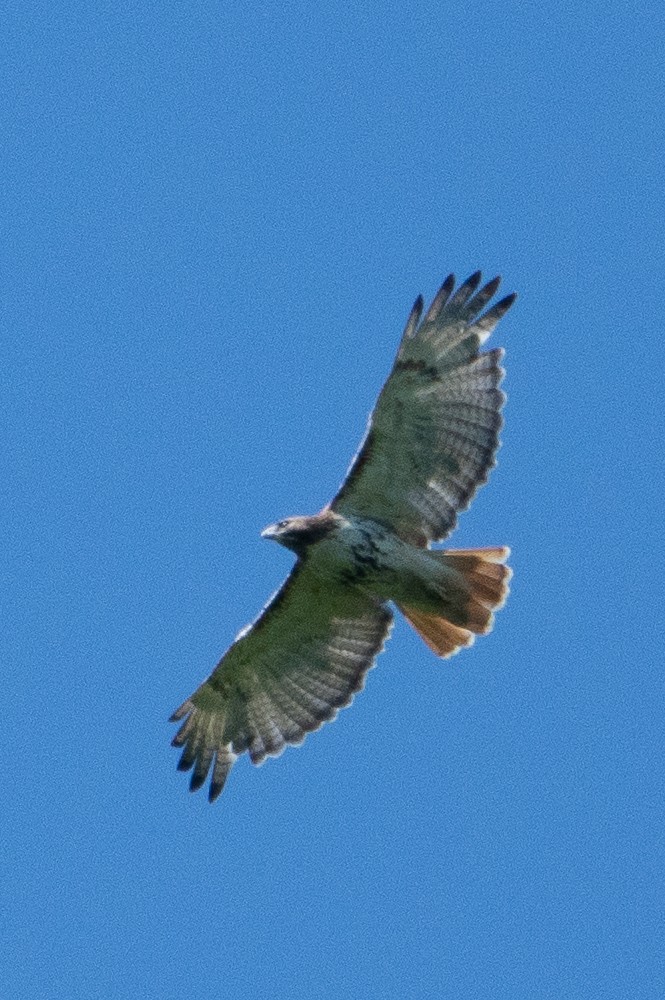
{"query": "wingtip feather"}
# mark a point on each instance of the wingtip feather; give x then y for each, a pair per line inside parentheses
(220, 772)
(466, 290)
(440, 299)
(414, 317)
(182, 711)
(197, 781)
(484, 326)
(506, 302)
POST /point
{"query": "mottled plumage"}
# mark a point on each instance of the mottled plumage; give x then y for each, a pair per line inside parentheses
(430, 444)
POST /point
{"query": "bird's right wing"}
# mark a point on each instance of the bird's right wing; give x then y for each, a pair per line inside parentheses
(302, 660)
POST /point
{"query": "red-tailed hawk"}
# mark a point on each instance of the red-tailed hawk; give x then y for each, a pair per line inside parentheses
(430, 444)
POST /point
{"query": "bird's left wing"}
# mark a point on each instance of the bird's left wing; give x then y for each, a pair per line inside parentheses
(302, 660)
(434, 432)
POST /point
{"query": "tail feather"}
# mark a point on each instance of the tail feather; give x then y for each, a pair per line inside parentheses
(442, 638)
(478, 586)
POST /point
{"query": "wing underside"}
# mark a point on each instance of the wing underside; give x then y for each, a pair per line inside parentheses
(303, 659)
(434, 432)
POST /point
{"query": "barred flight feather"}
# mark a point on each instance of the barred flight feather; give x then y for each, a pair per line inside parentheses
(441, 402)
(288, 693)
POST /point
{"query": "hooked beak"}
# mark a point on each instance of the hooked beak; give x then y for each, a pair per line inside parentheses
(270, 532)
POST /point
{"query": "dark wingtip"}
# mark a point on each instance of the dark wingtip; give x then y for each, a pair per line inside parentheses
(196, 781)
(491, 287)
(215, 791)
(448, 284)
(504, 304)
(181, 712)
(465, 290)
(440, 299)
(220, 772)
(477, 302)
(487, 322)
(414, 316)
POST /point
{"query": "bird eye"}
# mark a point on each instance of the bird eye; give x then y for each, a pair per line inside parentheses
(282, 524)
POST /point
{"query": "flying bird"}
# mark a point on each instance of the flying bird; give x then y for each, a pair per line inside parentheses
(430, 443)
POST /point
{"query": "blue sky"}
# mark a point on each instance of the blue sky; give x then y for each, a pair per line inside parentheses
(215, 220)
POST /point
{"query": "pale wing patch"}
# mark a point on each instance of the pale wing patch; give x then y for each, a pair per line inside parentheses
(302, 660)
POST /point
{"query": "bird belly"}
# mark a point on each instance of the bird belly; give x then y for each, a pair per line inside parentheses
(368, 556)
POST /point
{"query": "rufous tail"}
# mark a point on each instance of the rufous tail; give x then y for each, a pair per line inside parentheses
(478, 587)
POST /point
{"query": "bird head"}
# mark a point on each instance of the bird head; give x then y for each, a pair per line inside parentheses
(297, 533)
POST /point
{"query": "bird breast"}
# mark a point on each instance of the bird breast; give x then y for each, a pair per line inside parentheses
(365, 554)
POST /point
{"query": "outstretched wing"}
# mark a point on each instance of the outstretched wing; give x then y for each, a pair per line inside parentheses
(302, 660)
(434, 432)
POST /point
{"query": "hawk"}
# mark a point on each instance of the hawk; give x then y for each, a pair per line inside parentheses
(430, 443)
